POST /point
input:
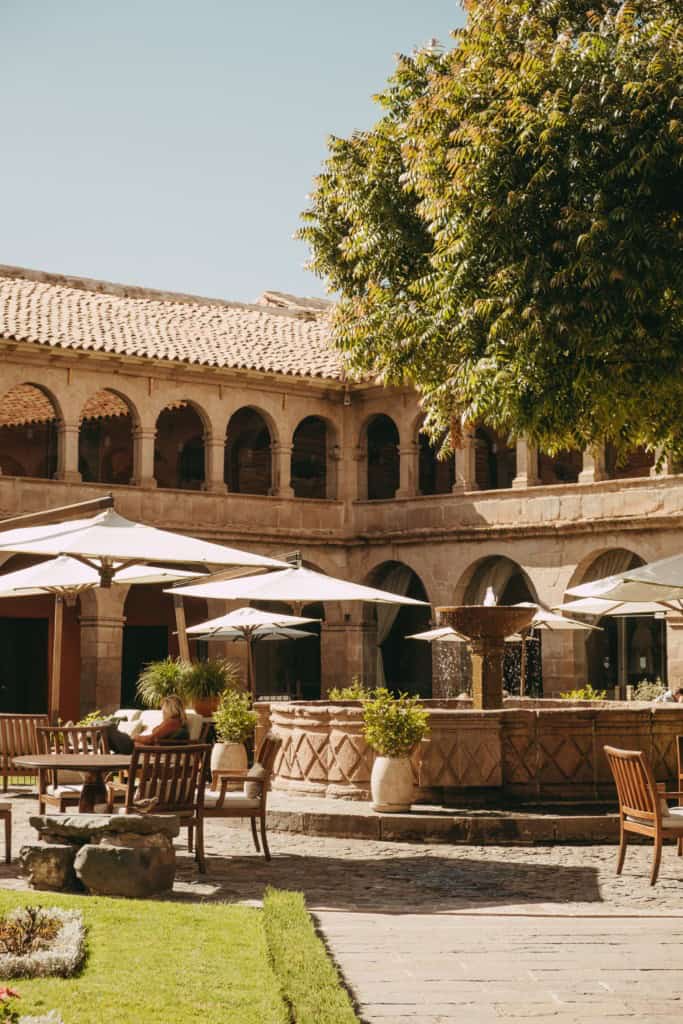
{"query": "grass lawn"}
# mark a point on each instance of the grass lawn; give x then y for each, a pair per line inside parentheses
(158, 963)
(161, 963)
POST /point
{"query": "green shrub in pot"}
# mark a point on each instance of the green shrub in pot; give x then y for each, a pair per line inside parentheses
(205, 681)
(234, 721)
(160, 679)
(393, 727)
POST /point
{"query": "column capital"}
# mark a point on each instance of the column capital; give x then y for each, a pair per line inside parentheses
(594, 468)
(527, 465)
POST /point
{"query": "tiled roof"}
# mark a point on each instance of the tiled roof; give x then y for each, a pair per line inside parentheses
(24, 404)
(281, 334)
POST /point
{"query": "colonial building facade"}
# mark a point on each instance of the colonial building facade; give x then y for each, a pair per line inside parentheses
(236, 423)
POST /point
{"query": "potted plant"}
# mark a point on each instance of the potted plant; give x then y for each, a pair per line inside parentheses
(393, 726)
(235, 721)
(205, 681)
(160, 679)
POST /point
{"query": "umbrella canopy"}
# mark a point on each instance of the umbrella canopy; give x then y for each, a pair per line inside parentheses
(292, 584)
(248, 620)
(543, 619)
(599, 606)
(666, 572)
(65, 574)
(620, 588)
(444, 634)
(108, 538)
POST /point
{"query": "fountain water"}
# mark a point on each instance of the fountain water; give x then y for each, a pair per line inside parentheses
(485, 627)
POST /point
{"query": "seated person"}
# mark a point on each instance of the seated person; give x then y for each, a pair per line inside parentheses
(173, 728)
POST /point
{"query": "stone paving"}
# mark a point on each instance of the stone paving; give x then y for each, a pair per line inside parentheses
(435, 934)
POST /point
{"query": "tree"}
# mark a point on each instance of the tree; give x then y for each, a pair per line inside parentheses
(508, 237)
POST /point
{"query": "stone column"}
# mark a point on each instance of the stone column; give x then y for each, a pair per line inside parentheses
(282, 464)
(466, 464)
(360, 457)
(214, 466)
(665, 469)
(144, 439)
(594, 467)
(674, 650)
(527, 465)
(68, 434)
(102, 622)
(487, 673)
(407, 487)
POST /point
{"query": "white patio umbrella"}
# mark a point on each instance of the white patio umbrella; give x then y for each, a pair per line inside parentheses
(296, 585)
(624, 587)
(252, 625)
(66, 578)
(109, 543)
(599, 607)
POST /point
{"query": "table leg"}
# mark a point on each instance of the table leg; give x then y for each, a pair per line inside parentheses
(94, 792)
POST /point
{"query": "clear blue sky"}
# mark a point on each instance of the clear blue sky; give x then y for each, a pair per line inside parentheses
(171, 143)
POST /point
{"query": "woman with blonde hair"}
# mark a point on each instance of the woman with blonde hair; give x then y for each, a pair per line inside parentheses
(172, 729)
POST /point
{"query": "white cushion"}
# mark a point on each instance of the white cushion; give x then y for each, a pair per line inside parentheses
(232, 800)
(64, 790)
(130, 728)
(194, 724)
(252, 786)
(150, 719)
(128, 714)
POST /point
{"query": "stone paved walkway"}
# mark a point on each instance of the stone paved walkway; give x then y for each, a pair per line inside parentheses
(438, 933)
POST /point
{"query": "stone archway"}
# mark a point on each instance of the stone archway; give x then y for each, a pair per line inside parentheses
(105, 439)
(392, 660)
(249, 453)
(29, 432)
(179, 452)
(310, 477)
(383, 458)
(435, 475)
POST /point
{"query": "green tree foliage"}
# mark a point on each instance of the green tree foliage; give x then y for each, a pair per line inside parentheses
(508, 237)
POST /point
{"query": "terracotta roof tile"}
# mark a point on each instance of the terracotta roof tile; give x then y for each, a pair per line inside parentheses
(73, 313)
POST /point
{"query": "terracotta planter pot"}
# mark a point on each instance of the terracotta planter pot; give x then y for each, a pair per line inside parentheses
(229, 757)
(205, 705)
(391, 784)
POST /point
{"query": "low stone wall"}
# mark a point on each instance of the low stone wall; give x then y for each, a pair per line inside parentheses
(538, 750)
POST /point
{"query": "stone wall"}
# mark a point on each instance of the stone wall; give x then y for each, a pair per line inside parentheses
(541, 751)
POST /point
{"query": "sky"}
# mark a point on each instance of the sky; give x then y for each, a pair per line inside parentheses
(172, 143)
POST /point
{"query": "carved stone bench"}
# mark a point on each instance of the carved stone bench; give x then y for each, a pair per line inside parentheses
(106, 854)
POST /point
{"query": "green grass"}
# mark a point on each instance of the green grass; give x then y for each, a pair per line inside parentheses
(158, 963)
(309, 979)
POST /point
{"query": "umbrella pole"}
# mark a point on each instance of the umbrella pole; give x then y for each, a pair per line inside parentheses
(181, 626)
(56, 674)
(522, 667)
(251, 682)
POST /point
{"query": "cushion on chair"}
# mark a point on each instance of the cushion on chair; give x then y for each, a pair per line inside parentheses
(64, 790)
(128, 714)
(232, 801)
(252, 786)
(150, 719)
(194, 724)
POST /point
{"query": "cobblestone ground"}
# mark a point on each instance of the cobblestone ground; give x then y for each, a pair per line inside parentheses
(430, 933)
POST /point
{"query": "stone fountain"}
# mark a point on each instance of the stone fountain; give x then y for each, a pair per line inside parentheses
(484, 627)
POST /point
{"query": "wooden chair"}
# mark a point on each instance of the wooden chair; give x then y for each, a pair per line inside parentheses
(171, 780)
(17, 737)
(6, 816)
(66, 739)
(643, 806)
(250, 801)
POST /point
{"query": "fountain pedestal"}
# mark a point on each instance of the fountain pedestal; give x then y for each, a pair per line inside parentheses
(485, 627)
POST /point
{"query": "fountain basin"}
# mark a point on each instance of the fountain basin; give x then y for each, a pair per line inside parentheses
(480, 621)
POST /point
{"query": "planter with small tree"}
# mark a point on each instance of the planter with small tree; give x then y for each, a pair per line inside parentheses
(393, 727)
(206, 681)
(235, 721)
(161, 679)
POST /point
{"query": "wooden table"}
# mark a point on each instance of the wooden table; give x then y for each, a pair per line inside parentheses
(93, 766)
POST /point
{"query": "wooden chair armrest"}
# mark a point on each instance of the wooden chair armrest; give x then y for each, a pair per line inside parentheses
(671, 793)
(239, 773)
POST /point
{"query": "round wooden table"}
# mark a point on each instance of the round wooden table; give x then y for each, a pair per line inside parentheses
(93, 766)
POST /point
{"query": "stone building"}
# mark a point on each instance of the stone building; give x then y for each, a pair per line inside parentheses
(236, 423)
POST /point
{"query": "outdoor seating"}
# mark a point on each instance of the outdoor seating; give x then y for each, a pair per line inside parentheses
(64, 789)
(643, 805)
(250, 801)
(17, 737)
(171, 780)
(6, 817)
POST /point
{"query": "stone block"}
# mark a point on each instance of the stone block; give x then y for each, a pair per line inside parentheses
(124, 871)
(85, 828)
(50, 866)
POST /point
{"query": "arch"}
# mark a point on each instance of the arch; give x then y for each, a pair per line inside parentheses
(30, 420)
(627, 648)
(249, 452)
(435, 475)
(636, 463)
(508, 581)
(383, 459)
(105, 438)
(393, 660)
(179, 451)
(562, 468)
(312, 463)
(495, 460)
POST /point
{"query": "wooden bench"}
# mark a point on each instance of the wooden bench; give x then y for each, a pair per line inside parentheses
(18, 736)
